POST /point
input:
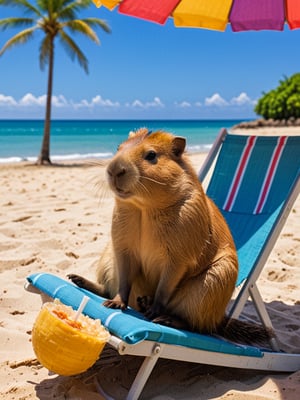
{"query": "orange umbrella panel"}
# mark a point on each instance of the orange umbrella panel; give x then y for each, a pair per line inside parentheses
(293, 13)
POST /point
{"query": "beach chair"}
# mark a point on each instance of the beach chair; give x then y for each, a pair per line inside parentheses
(255, 181)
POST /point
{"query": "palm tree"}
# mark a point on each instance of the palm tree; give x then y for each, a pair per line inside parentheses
(53, 18)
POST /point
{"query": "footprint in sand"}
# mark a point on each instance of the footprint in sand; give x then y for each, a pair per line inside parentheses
(21, 219)
(16, 312)
(274, 276)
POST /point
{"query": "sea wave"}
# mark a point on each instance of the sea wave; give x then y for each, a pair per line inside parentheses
(199, 148)
(62, 157)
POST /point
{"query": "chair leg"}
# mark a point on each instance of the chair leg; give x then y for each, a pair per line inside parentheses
(239, 303)
(32, 289)
(143, 374)
(263, 314)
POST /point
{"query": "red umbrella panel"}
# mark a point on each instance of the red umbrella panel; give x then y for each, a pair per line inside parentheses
(242, 15)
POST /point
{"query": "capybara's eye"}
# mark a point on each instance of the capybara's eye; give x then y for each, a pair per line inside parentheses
(150, 156)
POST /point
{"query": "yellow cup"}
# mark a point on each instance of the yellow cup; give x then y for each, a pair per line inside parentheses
(63, 346)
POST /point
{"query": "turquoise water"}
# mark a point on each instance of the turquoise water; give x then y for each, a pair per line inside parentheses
(21, 140)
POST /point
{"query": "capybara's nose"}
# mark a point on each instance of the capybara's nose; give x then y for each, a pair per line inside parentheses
(116, 170)
(122, 171)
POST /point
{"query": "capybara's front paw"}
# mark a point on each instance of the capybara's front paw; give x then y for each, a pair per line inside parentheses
(116, 302)
(80, 281)
(144, 303)
(153, 309)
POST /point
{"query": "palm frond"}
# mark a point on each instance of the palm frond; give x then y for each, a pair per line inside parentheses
(45, 5)
(24, 4)
(19, 38)
(70, 9)
(77, 5)
(97, 22)
(80, 26)
(54, 6)
(15, 22)
(73, 50)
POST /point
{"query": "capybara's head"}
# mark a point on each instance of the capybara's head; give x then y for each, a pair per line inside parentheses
(148, 168)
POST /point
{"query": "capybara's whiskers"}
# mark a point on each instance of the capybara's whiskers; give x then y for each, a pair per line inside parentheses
(153, 180)
(144, 188)
(98, 182)
(101, 190)
(103, 193)
(97, 163)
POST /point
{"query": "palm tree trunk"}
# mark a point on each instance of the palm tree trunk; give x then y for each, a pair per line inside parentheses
(44, 156)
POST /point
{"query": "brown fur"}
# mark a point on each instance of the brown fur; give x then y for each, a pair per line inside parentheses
(173, 254)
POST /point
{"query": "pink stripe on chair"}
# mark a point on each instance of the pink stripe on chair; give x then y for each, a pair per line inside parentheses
(236, 182)
(270, 175)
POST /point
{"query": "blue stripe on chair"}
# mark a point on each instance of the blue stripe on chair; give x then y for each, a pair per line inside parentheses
(254, 173)
(129, 325)
(250, 231)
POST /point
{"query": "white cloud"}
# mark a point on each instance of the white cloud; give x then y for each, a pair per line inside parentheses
(34, 105)
(155, 103)
(136, 104)
(82, 104)
(183, 104)
(242, 99)
(98, 101)
(59, 101)
(30, 100)
(215, 100)
(7, 100)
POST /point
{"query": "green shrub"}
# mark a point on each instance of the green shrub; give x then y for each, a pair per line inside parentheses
(282, 102)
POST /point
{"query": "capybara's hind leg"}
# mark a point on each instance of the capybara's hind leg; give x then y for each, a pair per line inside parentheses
(203, 299)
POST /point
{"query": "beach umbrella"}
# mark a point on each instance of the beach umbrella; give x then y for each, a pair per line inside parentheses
(241, 15)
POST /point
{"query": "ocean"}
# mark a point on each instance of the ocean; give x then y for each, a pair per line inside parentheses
(21, 140)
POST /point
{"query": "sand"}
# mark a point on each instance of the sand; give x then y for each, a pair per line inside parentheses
(57, 219)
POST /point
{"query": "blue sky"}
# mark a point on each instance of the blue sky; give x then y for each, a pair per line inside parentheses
(146, 71)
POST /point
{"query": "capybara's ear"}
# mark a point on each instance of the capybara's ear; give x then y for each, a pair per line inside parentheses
(178, 145)
(140, 131)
